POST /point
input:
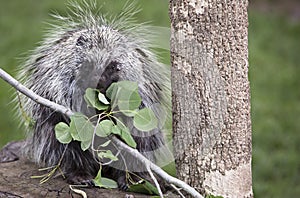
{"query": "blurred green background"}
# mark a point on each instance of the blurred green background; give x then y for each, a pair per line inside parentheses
(274, 56)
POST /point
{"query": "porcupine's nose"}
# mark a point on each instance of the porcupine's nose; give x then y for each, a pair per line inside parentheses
(109, 76)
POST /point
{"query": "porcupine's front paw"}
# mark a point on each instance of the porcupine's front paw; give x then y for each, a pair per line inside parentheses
(122, 183)
(81, 179)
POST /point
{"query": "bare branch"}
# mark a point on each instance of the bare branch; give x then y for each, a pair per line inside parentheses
(38, 99)
(59, 108)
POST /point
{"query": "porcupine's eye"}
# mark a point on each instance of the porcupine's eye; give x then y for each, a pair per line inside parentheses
(84, 42)
(109, 76)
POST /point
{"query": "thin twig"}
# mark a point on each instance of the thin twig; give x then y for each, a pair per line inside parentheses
(155, 181)
(59, 108)
(177, 190)
(78, 191)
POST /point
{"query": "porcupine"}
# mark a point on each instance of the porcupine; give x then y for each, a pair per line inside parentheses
(88, 50)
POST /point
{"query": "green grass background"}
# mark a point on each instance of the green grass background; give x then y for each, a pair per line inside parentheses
(274, 47)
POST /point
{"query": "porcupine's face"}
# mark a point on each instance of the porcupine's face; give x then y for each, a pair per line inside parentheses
(110, 56)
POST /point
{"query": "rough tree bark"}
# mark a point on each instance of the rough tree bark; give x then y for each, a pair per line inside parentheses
(211, 100)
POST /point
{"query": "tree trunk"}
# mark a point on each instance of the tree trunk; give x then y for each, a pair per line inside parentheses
(211, 100)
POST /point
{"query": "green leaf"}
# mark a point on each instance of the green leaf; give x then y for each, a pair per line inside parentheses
(98, 176)
(108, 183)
(91, 97)
(129, 85)
(103, 182)
(102, 98)
(170, 168)
(105, 144)
(104, 128)
(107, 154)
(116, 130)
(124, 94)
(85, 145)
(62, 133)
(81, 128)
(145, 120)
(125, 135)
(111, 93)
(144, 187)
(129, 102)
